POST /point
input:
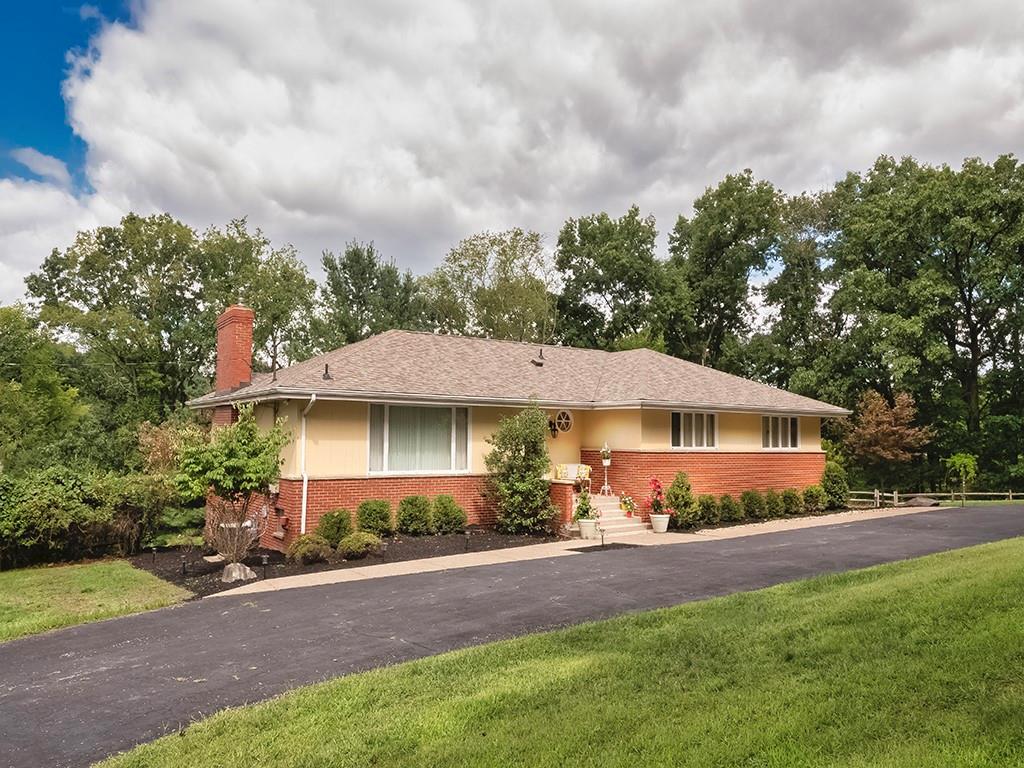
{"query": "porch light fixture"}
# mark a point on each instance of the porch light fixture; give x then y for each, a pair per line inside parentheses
(553, 428)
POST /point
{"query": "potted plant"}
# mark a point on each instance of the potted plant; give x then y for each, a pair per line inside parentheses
(585, 516)
(660, 514)
(627, 505)
(606, 455)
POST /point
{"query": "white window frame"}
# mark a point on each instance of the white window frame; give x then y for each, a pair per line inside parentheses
(788, 422)
(415, 472)
(705, 447)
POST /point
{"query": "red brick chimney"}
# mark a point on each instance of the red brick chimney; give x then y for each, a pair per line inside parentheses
(234, 347)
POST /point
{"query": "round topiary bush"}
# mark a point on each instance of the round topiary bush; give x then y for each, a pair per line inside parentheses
(792, 502)
(309, 548)
(729, 509)
(815, 500)
(707, 509)
(335, 526)
(773, 504)
(449, 517)
(358, 545)
(374, 516)
(753, 505)
(835, 485)
(414, 516)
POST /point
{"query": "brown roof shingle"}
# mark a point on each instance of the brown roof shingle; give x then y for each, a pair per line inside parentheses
(410, 365)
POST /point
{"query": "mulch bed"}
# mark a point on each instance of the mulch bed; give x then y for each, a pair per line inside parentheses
(202, 578)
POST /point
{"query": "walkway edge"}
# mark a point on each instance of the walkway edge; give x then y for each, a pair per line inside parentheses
(555, 549)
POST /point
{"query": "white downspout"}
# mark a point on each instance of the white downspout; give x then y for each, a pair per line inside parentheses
(302, 463)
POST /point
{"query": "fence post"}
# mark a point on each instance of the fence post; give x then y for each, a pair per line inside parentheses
(895, 498)
(1011, 494)
(878, 499)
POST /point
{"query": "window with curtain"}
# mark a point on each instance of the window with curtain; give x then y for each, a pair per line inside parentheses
(780, 432)
(694, 430)
(410, 438)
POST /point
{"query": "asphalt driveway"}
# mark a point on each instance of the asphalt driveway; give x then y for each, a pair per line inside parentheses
(73, 696)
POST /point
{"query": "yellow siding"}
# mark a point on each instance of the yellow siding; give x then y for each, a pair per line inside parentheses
(336, 439)
(736, 431)
(563, 449)
(621, 429)
(810, 433)
(739, 432)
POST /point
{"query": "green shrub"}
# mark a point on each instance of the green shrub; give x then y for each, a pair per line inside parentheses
(449, 517)
(414, 516)
(815, 500)
(517, 467)
(335, 526)
(308, 549)
(358, 545)
(707, 509)
(835, 485)
(584, 508)
(753, 505)
(374, 516)
(773, 503)
(729, 509)
(792, 502)
(680, 499)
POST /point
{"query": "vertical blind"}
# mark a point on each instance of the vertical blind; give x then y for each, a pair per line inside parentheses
(780, 432)
(693, 430)
(406, 438)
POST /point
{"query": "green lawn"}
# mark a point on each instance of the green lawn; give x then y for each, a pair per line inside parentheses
(37, 599)
(914, 664)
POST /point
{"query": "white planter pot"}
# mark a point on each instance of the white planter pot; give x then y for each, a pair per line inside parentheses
(588, 529)
(606, 462)
(660, 523)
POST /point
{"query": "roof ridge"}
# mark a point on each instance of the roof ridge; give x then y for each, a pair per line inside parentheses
(496, 341)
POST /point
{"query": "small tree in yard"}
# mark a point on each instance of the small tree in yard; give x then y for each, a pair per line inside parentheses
(232, 467)
(961, 468)
(518, 463)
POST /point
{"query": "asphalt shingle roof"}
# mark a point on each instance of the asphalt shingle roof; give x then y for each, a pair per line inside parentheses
(409, 365)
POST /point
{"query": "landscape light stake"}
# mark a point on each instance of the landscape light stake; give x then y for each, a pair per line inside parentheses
(466, 534)
(154, 553)
(265, 559)
(184, 565)
(602, 537)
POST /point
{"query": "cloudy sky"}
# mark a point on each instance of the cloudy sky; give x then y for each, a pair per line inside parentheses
(415, 124)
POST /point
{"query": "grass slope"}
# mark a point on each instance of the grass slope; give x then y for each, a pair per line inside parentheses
(37, 599)
(911, 664)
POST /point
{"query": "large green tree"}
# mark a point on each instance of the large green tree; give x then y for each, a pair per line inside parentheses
(362, 294)
(494, 284)
(734, 231)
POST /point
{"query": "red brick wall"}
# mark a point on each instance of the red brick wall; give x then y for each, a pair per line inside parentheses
(714, 472)
(223, 415)
(234, 348)
(562, 498)
(325, 495)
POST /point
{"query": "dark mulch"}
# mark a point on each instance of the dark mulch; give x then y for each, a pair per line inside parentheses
(604, 547)
(203, 578)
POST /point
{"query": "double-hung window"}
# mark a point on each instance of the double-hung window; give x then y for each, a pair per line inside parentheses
(414, 438)
(780, 432)
(694, 430)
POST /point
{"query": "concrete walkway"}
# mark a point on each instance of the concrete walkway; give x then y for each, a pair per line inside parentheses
(556, 549)
(73, 696)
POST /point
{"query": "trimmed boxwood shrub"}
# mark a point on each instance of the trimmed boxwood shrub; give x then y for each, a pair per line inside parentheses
(729, 509)
(358, 545)
(815, 500)
(792, 503)
(374, 516)
(707, 509)
(680, 499)
(835, 485)
(773, 504)
(753, 505)
(449, 517)
(334, 526)
(309, 548)
(414, 516)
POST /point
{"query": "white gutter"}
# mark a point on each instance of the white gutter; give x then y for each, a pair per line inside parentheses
(302, 463)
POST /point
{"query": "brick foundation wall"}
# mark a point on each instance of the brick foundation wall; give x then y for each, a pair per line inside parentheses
(223, 415)
(713, 472)
(325, 495)
(562, 498)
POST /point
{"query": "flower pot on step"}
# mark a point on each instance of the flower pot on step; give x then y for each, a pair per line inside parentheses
(660, 523)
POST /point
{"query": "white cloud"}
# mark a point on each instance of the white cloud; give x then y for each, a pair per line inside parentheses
(45, 166)
(415, 124)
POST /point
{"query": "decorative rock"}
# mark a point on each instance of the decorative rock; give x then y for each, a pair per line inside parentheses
(922, 501)
(237, 572)
(213, 558)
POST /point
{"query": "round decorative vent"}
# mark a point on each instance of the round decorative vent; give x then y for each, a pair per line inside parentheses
(563, 421)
